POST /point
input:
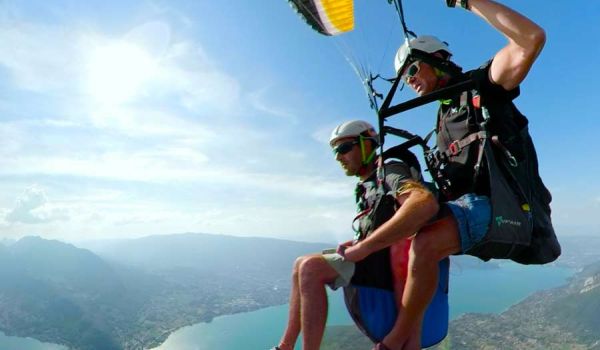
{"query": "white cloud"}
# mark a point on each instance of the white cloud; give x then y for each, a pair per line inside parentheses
(262, 100)
(160, 165)
(50, 59)
(179, 120)
(318, 223)
(32, 207)
(146, 61)
(40, 58)
(10, 139)
(154, 36)
(201, 85)
(118, 70)
(323, 133)
(145, 122)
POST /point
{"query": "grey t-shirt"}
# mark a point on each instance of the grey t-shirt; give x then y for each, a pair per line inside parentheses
(396, 173)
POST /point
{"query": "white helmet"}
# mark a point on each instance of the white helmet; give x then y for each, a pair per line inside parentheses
(353, 128)
(426, 43)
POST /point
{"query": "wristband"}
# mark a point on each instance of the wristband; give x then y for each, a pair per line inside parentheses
(451, 3)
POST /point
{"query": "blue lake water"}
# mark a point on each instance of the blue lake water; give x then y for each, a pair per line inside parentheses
(17, 343)
(471, 290)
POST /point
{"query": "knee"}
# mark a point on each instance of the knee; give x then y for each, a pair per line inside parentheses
(300, 267)
(297, 264)
(310, 269)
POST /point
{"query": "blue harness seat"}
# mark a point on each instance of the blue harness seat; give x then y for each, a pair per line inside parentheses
(370, 300)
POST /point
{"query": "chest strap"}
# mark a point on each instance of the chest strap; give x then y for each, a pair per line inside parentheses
(457, 146)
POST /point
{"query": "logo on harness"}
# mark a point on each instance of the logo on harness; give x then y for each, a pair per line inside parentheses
(500, 220)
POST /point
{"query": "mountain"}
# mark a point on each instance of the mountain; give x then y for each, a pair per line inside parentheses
(47, 290)
(576, 308)
(579, 251)
(134, 293)
(131, 294)
(6, 242)
(207, 253)
(79, 270)
(561, 318)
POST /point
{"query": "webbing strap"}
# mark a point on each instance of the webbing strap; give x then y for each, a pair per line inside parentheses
(511, 159)
(358, 234)
(443, 93)
(428, 136)
(464, 99)
(457, 146)
(477, 166)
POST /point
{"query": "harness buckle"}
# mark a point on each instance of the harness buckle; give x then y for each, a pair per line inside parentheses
(454, 148)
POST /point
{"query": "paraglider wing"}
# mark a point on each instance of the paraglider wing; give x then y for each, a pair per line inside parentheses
(328, 17)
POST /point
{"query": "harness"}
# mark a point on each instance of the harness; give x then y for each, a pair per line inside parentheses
(488, 151)
(449, 153)
(370, 297)
(478, 162)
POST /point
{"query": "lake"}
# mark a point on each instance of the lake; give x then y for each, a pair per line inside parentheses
(471, 290)
(17, 343)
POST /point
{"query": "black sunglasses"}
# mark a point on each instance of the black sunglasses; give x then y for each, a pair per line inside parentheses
(345, 147)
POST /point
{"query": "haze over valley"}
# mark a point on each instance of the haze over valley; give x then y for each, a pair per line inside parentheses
(132, 294)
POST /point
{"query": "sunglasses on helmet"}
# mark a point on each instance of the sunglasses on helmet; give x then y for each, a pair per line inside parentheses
(344, 148)
(411, 70)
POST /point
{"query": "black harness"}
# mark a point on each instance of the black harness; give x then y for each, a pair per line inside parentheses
(471, 156)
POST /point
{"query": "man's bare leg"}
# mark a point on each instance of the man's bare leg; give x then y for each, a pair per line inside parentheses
(292, 331)
(433, 243)
(308, 302)
(315, 273)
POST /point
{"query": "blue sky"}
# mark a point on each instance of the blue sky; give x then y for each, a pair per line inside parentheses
(124, 119)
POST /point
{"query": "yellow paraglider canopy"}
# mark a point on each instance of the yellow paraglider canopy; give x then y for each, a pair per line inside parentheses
(328, 17)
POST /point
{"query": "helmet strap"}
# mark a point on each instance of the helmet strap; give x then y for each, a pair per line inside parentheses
(366, 159)
(442, 78)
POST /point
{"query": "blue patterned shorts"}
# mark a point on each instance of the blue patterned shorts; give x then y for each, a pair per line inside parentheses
(473, 213)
